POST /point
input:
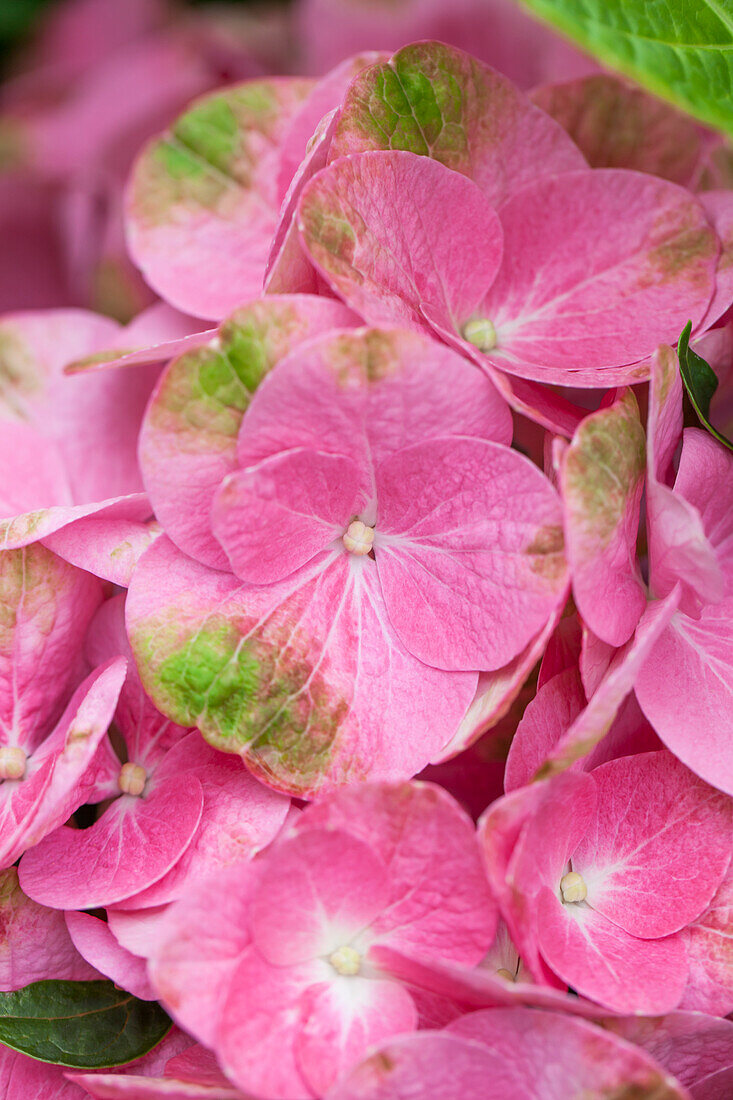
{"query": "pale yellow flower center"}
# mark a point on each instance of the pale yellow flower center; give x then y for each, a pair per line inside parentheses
(505, 974)
(358, 538)
(12, 762)
(481, 333)
(346, 961)
(572, 887)
(132, 779)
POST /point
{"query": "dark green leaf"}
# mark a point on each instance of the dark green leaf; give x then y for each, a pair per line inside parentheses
(679, 49)
(87, 1025)
(700, 382)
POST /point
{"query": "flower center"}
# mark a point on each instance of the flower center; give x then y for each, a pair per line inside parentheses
(481, 333)
(572, 887)
(12, 762)
(358, 538)
(346, 961)
(132, 779)
(505, 974)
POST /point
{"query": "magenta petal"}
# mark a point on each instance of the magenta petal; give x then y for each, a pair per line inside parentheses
(375, 226)
(132, 845)
(653, 864)
(633, 252)
(34, 942)
(685, 688)
(274, 517)
(96, 943)
(469, 551)
(340, 1024)
(603, 962)
(316, 892)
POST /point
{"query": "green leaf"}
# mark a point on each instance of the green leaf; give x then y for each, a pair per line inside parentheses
(679, 49)
(700, 382)
(87, 1025)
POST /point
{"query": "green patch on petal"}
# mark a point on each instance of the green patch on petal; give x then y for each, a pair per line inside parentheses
(205, 392)
(417, 102)
(211, 154)
(245, 698)
(363, 358)
(603, 467)
(546, 552)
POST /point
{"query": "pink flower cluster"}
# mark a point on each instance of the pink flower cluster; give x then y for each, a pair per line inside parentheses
(372, 589)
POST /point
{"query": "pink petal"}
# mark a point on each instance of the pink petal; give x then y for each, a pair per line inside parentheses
(496, 693)
(552, 711)
(96, 943)
(331, 672)
(188, 439)
(709, 943)
(596, 1063)
(479, 986)
(705, 480)
(24, 1078)
(619, 125)
(687, 1044)
(601, 961)
(685, 688)
(593, 723)
(602, 478)
(719, 209)
(634, 252)
(375, 227)
(272, 518)
(469, 551)
(62, 773)
(476, 122)
(93, 418)
(239, 817)
(132, 845)
(49, 607)
(343, 1020)
(316, 892)
(202, 939)
(35, 944)
(197, 204)
(339, 394)
(260, 1022)
(439, 904)
(651, 865)
(147, 734)
(664, 427)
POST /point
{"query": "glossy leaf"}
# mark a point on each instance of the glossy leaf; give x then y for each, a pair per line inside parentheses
(87, 1025)
(682, 52)
(700, 382)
